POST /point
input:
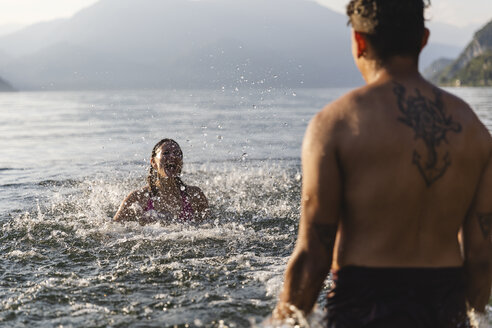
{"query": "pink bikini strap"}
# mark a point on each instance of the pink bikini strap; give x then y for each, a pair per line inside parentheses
(150, 205)
(187, 212)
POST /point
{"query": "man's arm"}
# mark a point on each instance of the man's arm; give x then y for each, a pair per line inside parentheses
(477, 243)
(311, 260)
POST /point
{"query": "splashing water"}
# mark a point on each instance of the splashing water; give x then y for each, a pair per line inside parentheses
(65, 263)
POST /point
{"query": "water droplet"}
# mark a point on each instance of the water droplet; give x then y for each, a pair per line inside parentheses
(182, 188)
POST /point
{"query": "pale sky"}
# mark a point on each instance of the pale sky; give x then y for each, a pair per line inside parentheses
(25, 12)
(453, 12)
(32, 11)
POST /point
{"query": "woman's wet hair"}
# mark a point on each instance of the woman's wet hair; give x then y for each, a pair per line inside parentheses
(392, 27)
(153, 176)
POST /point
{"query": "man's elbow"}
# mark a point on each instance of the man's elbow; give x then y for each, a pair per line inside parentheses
(312, 263)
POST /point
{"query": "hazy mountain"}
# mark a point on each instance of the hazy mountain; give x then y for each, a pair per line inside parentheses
(179, 43)
(5, 87)
(4, 57)
(186, 44)
(436, 67)
(445, 42)
(436, 51)
(9, 28)
(32, 38)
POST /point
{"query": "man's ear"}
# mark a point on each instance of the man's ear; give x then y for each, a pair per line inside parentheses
(361, 44)
(425, 38)
(152, 163)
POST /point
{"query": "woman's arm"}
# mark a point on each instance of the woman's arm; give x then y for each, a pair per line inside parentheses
(132, 208)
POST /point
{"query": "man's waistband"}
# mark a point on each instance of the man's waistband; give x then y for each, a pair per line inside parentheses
(411, 275)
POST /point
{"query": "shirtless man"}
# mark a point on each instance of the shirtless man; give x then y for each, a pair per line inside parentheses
(397, 190)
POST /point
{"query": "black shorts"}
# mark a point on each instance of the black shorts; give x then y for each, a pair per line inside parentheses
(398, 297)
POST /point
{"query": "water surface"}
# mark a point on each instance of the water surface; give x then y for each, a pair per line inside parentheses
(68, 159)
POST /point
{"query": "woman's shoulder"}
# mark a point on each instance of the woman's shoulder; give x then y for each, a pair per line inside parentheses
(139, 195)
(198, 199)
(194, 191)
(134, 203)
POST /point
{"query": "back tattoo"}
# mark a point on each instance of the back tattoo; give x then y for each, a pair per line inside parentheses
(429, 121)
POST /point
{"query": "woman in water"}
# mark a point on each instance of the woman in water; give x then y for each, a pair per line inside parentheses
(165, 197)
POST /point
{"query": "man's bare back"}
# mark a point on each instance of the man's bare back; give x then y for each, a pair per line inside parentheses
(410, 157)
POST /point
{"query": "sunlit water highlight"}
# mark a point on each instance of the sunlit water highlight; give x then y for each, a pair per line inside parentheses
(68, 159)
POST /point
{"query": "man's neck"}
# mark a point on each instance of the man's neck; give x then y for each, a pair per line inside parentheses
(395, 68)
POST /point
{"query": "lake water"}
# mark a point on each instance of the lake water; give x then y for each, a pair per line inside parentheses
(68, 159)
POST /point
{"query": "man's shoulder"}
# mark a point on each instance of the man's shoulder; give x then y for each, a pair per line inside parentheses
(463, 112)
(338, 114)
(347, 101)
(333, 120)
(353, 100)
(476, 132)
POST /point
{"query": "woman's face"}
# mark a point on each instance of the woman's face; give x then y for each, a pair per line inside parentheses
(168, 160)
